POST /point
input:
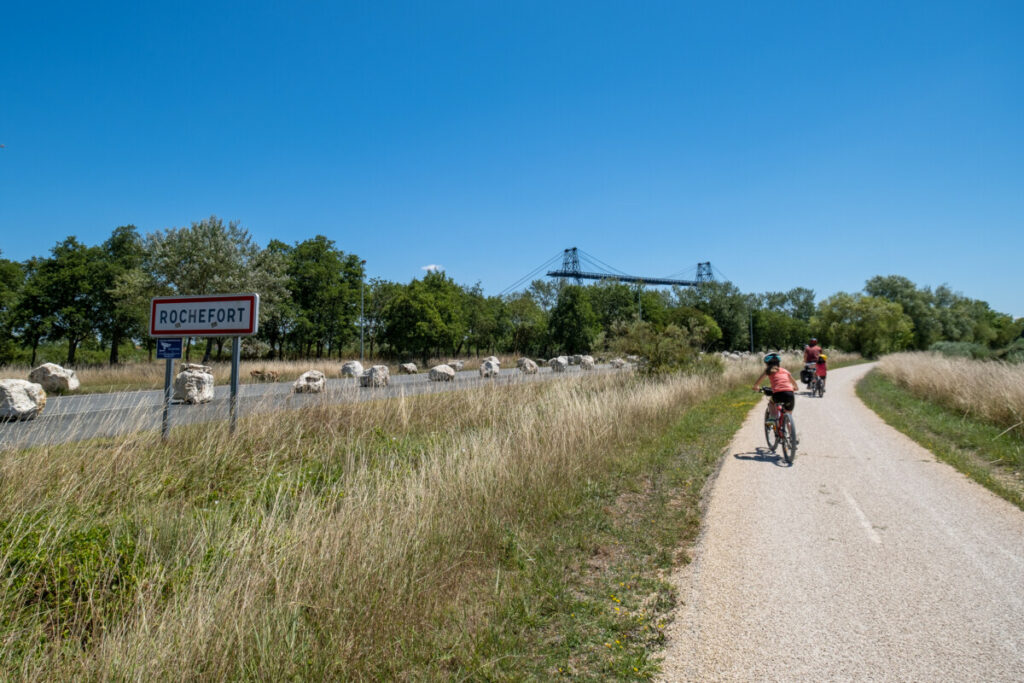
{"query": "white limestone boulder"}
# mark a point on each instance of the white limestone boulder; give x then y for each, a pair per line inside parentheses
(408, 368)
(376, 376)
(194, 384)
(617, 363)
(527, 366)
(441, 373)
(310, 382)
(490, 368)
(493, 359)
(559, 364)
(587, 363)
(352, 368)
(575, 359)
(456, 365)
(52, 377)
(20, 399)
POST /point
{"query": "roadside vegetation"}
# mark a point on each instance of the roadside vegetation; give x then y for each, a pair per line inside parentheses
(969, 413)
(497, 532)
(402, 538)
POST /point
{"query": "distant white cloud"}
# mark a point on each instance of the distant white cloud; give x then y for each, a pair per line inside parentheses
(432, 268)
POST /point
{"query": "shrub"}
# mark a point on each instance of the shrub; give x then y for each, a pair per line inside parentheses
(961, 350)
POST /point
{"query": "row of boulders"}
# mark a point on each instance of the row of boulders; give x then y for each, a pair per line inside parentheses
(20, 399)
(562, 363)
(314, 381)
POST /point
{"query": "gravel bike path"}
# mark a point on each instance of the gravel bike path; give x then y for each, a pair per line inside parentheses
(865, 560)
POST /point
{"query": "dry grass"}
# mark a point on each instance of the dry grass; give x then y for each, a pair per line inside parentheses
(344, 542)
(991, 391)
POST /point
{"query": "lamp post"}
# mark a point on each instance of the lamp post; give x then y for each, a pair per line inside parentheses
(362, 314)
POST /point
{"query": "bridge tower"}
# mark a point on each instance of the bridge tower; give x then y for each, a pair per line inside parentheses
(571, 265)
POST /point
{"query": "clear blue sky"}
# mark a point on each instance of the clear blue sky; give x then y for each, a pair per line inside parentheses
(790, 144)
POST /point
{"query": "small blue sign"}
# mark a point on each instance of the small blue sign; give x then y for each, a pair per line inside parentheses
(168, 348)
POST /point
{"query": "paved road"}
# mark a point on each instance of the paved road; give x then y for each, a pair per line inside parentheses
(70, 418)
(865, 560)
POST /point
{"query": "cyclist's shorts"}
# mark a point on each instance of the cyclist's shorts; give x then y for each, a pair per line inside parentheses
(786, 399)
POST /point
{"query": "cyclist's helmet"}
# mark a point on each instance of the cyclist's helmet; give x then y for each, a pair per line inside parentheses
(814, 340)
(772, 359)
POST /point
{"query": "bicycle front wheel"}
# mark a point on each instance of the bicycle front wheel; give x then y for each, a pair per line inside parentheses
(770, 434)
(788, 429)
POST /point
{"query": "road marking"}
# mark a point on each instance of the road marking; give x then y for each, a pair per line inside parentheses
(864, 522)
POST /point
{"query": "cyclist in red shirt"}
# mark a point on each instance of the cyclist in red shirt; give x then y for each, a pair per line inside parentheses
(811, 353)
(782, 383)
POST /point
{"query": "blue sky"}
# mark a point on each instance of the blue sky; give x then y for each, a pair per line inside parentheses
(790, 144)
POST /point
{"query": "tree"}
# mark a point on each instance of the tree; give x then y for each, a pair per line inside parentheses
(573, 323)
(277, 309)
(528, 324)
(69, 287)
(724, 302)
(324, 284)
(414, 324)
(122, 252)
(870, 325)
(698, 326)
(12, 280)
(379, 294)
(916, 303)
(613, 302)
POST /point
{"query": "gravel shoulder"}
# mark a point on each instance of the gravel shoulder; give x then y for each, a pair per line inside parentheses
(865, 560)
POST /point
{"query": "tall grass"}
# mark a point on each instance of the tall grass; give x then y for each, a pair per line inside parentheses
(991, 391)
(358, 541)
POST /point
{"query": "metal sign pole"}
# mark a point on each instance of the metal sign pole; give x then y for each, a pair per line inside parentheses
(236, 355)
(165, 425)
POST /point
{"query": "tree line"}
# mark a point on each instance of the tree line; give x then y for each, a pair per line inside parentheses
(316, 302)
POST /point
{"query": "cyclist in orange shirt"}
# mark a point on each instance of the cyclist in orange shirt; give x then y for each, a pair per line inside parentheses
(782, 383)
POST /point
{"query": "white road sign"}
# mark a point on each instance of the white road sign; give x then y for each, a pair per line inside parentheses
(219, 315)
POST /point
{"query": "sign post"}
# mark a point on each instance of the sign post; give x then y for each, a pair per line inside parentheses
(170, 349)
(217, 315)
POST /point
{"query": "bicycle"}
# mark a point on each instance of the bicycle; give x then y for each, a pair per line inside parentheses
(818, 387)
(807, 375)
(779, 427)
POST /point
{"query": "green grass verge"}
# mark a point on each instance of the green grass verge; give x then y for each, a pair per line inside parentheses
(591, 600)
(984, 452)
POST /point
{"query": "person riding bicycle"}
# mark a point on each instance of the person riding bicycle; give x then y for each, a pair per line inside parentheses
(811, 353)
(821, 368)
(783, 385)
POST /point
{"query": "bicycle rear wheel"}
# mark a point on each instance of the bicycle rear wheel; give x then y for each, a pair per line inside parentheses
(788, 429)
(769, 430)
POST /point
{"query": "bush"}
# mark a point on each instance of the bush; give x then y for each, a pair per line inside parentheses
(662, 350)
(1014, 353)
(74, 577)
(962, 350)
